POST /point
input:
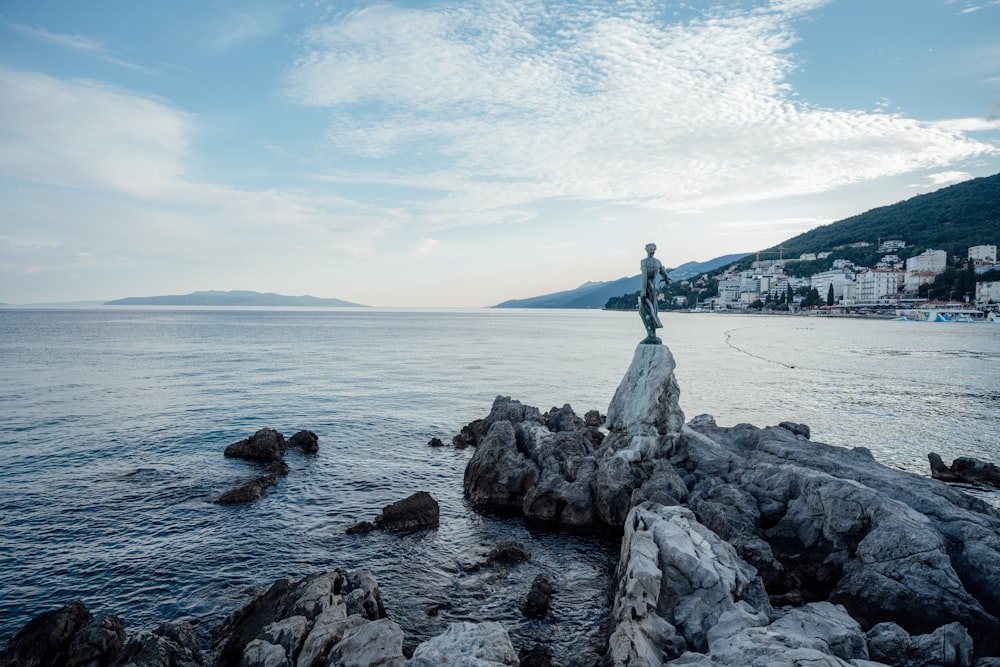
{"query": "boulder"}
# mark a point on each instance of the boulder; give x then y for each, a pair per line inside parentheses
(966, 470)
(467, 644)
(563, 469)
(264, 445)
(169, 645)
(307, 441)
(674, 582)
(413, 513)
(66, 636)
(302, 620)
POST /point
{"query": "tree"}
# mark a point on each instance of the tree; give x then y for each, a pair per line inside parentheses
(789, 295)
(830, 298)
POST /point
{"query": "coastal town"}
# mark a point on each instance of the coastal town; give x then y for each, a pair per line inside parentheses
(893, 287)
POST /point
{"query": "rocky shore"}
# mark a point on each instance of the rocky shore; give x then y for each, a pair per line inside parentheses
(739, 546)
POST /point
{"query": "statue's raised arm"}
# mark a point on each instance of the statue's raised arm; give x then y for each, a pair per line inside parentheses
(648, 309)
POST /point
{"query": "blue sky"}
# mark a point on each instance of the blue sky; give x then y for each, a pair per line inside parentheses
(464, 153)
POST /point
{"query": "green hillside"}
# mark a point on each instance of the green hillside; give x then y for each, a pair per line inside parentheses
(951, 219)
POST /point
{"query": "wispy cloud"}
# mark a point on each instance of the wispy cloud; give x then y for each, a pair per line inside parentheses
(78, 44)
(240, 27)
(509, 103)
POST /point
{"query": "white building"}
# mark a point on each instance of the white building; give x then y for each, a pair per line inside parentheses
(822, 281)
(986, 254)
(934, 261)
(807, 257)
(914, 279)
(876, 285)
(987, 293)
(889, 246)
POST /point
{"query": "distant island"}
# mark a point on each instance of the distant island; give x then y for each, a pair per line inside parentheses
(232, 298)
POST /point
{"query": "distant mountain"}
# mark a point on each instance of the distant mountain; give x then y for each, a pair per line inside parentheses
(952, 219)
(596, 294)
(233, 298)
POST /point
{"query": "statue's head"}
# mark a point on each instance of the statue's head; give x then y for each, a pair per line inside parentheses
(650, 248)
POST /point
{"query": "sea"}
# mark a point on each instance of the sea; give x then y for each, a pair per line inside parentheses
(113, 423)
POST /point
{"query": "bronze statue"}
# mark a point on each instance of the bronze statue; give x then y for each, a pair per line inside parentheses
(648, 309)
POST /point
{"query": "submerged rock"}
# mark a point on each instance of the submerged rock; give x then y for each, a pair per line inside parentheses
(254, 489)
(536, 604)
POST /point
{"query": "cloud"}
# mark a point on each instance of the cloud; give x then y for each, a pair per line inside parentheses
(240, 27)
(78, 44)
(512, 103)
(947, 178)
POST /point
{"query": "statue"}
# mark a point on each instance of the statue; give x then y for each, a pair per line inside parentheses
(648, 310)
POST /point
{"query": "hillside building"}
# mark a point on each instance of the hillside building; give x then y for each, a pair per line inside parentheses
(891, 245)
(822, 281)
(877, 285)
(934, 261)
(914, 279)
(987, 293)
(985, 254)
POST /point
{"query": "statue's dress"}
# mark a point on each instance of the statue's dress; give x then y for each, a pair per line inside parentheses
(648, 310)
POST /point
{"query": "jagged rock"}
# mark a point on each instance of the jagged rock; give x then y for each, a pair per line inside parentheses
(169, 645)
(797, 429)
(435, 442)
(307, 441)
(674, 582)
(948, 646)
(264, 445)
(504, 410)
(97, 644)
(966, 470)
(593, 419)
(828, 523)
(467, 644)
(375, 644)
(66, 637)
(819, 634)
(314, 613)
(413, 513)
(558, 468)
(536, 604)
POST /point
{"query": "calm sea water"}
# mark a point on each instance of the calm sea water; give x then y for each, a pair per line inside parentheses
(114, 422)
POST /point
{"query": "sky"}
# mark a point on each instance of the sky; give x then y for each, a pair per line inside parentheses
(460, 153)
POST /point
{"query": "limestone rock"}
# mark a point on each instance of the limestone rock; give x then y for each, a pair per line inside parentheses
(313, 613)
(375, 644)
(264, 445)
(467, 644)
(674, 582)
(413, 513)
(98, 643)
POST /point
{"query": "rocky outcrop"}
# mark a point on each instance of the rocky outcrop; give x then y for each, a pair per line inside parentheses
(850, 542)
(169, 645)
(270, 445)
(307, 441)
(411, 514)
(966, 470)
(468, 644)
(302, 623)
(536, 604)
(264, 445)
(66, 637)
